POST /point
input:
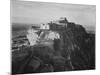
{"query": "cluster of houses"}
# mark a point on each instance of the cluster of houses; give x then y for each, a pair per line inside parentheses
(45, 30)
(43, 34)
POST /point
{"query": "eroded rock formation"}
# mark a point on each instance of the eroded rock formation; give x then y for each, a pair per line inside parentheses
(75, 50)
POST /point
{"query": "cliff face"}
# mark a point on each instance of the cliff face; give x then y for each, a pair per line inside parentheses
(75, 50)
(81, 53)
(75, 45)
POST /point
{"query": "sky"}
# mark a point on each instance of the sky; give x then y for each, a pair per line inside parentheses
(32, 12)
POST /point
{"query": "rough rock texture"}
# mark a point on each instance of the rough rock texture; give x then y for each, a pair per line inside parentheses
(74, 51)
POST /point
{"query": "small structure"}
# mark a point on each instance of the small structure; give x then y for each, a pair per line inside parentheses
(44, 26)
(62, 21)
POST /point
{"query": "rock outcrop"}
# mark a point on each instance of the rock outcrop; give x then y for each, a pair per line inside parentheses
(75, 50)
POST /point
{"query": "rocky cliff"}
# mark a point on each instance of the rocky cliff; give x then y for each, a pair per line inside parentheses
(75, 50)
